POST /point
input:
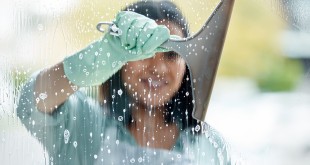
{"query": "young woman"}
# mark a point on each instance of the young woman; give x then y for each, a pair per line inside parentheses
(144, 114)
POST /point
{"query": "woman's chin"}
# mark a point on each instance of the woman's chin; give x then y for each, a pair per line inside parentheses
(153, 102)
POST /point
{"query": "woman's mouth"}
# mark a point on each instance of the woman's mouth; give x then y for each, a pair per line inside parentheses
(154, 83)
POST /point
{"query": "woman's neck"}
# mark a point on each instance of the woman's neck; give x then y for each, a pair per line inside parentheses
(150, 128)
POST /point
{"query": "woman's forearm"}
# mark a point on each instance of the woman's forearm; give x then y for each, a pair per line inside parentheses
(52, 88)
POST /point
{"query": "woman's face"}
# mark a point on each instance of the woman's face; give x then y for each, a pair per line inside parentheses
(154, 81)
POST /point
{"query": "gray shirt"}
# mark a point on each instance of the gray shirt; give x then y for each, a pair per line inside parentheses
(81, 132)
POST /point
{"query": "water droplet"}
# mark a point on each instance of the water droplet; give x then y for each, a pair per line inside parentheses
(113, 96)
(187, 93)
(66, 136)
(197, 128)
(204, 127)
(140, 159)
(81, 56)
(117, 142)
(74, 118)
(114, 64)
(179, 156)
(132, 160)
(95, 156)
(74, 144)
(91, 134)
(215, 145)
(120, 118)
(62, 90)
(120, 92)
(108, 54)
(150, 80)
(33, 122)
(74, 87)
(66, 133)
(96, 53)
(220, 154)
(42, 96)
(103, 62)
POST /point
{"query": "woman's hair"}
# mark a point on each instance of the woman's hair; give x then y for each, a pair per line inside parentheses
(160, 10)
(179, 109)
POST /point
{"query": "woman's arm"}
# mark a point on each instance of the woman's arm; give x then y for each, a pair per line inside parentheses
(65, 132)
(97, 62)
(52, 88)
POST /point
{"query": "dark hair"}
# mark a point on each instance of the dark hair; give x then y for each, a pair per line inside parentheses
(161, 10)
(179, 109)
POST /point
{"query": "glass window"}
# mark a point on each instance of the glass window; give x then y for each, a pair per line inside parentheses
(70, 94)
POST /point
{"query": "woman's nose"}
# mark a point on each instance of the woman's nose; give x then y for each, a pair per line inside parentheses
(157, 64)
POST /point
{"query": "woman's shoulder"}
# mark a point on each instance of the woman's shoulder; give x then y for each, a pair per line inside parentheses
(203, 133)
(207, 143)
(81, 100)
(210, 134)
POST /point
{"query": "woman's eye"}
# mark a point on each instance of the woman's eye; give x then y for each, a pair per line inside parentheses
(171, 55)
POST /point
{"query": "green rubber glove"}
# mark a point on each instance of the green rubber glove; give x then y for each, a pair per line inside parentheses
(140, 39)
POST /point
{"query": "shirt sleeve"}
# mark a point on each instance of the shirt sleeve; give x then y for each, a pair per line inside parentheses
(70, 132)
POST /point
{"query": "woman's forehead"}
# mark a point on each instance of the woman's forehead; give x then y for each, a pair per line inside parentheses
(174, 28)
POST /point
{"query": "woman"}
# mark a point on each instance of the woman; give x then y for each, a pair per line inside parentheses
(144, 113)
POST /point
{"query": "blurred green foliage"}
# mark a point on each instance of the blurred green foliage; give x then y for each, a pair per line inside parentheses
(252, 48)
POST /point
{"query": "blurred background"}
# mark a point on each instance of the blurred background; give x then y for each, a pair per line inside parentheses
(261, 97)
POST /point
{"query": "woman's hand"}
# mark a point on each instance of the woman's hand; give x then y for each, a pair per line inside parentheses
(140, 39)
(141, 36)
